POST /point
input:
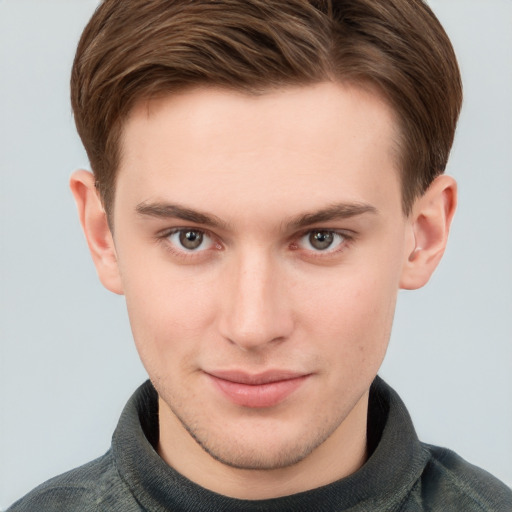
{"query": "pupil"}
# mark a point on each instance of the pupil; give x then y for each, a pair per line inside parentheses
(321, 239)
(191, 239)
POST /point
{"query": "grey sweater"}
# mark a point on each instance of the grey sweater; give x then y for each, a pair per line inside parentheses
(401, 474)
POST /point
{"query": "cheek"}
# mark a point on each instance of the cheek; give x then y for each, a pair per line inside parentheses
(360, 310)
(351, 313)
(354, 332)
(169, 312)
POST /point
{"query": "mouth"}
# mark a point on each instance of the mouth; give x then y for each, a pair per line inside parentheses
(262, 390)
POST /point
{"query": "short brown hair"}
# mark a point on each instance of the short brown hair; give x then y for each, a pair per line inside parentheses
(133, 49)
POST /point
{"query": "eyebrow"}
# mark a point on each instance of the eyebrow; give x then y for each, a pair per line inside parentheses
(334, 212)
(175, 211)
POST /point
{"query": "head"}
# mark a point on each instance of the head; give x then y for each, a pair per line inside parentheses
(267, 176)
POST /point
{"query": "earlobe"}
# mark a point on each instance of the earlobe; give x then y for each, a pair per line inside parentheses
(96, 229)
(429, 226)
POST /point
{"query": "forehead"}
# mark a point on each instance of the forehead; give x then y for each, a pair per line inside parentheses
(328, 141)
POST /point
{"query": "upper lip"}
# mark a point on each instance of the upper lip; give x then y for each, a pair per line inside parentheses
(255, 379)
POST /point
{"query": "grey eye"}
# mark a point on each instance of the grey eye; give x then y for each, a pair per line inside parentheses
(321, 240)
(191, 239)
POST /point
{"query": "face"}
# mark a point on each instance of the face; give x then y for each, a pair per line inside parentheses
(260, 242)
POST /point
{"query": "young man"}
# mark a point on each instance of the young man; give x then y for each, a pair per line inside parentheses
(267, 176)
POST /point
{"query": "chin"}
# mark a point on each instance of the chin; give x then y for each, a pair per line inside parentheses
(260, 443)
(260, 456)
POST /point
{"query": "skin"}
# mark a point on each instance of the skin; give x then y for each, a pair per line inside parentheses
(260, 292)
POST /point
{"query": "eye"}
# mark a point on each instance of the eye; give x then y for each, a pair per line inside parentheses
(321, 240)
(190, 240)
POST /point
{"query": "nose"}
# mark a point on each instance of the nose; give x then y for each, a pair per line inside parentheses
(256, 312)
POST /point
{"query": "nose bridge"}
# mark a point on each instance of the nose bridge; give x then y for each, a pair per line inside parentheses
(255, 312)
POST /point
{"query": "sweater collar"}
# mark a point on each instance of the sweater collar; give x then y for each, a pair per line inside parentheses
(396, 462)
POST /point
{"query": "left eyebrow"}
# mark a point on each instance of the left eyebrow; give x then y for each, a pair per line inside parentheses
(334, 212)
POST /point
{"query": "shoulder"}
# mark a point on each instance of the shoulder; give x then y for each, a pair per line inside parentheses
(92, 487)
(450, 483)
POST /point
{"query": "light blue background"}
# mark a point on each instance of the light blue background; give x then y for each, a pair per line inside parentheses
(67, 361)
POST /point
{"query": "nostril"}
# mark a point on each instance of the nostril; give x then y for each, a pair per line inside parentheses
(255, 341)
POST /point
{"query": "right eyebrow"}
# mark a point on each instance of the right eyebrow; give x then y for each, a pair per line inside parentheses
(175, 211)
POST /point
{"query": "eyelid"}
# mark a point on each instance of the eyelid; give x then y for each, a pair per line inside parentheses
(347, 235)
(164, 235)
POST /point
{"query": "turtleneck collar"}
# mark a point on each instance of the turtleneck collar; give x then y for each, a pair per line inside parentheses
(396, 462)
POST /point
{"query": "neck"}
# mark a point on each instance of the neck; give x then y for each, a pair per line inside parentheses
(340, 455)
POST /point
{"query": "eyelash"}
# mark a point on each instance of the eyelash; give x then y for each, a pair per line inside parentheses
(347, 239)
(164, 239)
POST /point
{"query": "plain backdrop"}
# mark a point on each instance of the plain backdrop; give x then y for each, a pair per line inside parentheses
(67, 361)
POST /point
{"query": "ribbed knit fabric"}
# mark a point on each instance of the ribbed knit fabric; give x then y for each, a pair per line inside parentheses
(401, 475)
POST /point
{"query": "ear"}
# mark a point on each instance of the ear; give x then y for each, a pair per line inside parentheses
(429, 226)
(97, 232)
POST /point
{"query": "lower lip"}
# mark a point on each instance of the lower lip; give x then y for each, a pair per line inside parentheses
(258, 395)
